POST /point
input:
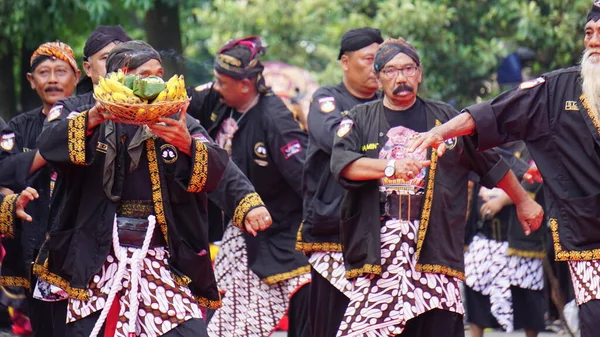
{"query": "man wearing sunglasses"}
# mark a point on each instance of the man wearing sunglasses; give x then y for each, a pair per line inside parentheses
(403, 214)
(261, 275)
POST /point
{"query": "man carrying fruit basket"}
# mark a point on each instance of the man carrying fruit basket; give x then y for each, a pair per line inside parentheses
(129, 242)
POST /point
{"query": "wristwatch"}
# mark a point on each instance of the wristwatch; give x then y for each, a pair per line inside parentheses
(390, 169)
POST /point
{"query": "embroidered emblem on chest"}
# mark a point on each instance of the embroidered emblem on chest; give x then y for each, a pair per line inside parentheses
(260, 150)
(571, 106)
(168, 153)
(451, 143)
(8, 141)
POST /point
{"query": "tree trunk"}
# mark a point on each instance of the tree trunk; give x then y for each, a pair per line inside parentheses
(164, 34)
(8, 106)
(29, 98)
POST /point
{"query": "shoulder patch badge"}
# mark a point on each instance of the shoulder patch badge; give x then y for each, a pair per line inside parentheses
(54, 113)
(204, 86)
(291, 149)
(201, 137)
(327, 104)
(7, 142)
(532, 83)
(260, 150)
(168, 153)
(344, 128)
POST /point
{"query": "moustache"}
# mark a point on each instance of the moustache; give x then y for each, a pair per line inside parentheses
(403, 87)
(53, 89)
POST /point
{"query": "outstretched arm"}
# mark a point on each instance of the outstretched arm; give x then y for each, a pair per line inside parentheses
(461, 125)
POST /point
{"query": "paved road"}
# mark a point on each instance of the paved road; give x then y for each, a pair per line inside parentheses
(7, 333)
(488, 334)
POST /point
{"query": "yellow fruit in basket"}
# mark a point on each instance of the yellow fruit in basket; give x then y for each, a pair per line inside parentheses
(161, 97)
(116, 86)
(120, 97)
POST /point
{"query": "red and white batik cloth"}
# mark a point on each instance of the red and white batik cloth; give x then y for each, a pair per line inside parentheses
(381, 306)
(330, 265)
(250, 308)
(490, 271)
(586, 280)
(163, 304)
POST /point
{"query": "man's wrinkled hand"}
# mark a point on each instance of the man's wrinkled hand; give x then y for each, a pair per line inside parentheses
(427, 139)
(258, 219)
(530, 215)
(28, 194)
(174, 132)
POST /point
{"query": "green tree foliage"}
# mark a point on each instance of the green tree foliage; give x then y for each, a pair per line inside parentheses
(460, 42)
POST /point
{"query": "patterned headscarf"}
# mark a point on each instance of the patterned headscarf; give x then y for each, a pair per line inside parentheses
(240, 59)
(392, 47)
(53, 51)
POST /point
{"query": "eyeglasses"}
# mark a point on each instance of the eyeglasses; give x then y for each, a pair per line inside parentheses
(392, 72)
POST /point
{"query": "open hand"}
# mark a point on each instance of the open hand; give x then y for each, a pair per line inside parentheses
(23, 199)
(428, 139)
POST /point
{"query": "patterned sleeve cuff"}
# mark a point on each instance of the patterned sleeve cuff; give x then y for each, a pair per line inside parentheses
(248, 203)
(7, 215)
(76, 133)
(199, 168)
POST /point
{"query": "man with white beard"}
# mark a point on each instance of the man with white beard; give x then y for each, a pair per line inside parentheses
(557, 115)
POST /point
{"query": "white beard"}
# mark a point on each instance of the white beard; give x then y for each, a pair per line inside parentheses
(590, 74)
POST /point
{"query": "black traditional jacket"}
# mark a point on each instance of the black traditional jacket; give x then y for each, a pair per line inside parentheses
(269, 148)
(553, 117)
(17, 151)
(320, 230)
(440, 238)
(235, 195)
(81, 235)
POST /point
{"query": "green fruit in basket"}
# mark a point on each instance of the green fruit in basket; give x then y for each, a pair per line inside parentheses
(148, 87)
(129, 79)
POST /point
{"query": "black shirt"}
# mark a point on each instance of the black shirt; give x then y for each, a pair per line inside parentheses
(413, 118)
(322, 193)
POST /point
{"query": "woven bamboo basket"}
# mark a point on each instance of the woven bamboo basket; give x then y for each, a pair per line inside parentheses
(141, 113)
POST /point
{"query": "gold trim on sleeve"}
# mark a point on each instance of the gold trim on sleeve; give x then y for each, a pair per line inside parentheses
(15, 281)
(209, 304)
(76, 138)
(7, 215)
(366, 269)
(199, 168)
(249, 202)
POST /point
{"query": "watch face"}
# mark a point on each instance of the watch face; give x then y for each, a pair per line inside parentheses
(389, 171)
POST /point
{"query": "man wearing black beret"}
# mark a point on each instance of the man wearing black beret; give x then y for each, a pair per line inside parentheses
(319, 235)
